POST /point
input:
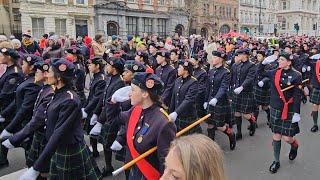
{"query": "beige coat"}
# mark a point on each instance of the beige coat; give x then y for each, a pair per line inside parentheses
(98, 49)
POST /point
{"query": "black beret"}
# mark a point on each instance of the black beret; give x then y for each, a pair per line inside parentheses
(244, 51)
(42, 65)
(63, 67)
(163, 53)
(126, 56)
(117, 63)
(143, 54)
(176, 51)
(149, 82)
(262, 52)
(96, 60)
(289, 57)
(187, 65)
(222, 54)
(289, 46)
(316, 47)
(74, 50)
(31, 59)
(10, 52)
(134, 66)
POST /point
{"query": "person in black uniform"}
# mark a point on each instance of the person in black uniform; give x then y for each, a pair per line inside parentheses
(153, 56)
(80, 72)
(315, 90)
(147, 125)
(22, 107)
(183, 108)
(167, 74)
(261, 88)
(70, 157)
(285, 107)
(96, 66)
(175, 55)
(201, 75)
(216, 94)
(36, 125)
(142, 57)
(105, 132)
(242, 78)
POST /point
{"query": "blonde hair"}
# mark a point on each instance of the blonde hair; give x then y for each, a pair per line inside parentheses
(5, 44)
(15, 42)
(201, 157)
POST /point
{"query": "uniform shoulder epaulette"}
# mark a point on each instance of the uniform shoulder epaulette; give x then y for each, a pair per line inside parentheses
(121, 78)
(172, 66)
(70, 93)
(204, 70)
(194, 78)
(16, 69)
(53, 87)
(296, 71)
(165, 113)
(102, 75)
(78, 66)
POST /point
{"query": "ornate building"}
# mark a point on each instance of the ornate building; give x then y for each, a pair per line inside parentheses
(134, 17)
(215, 17)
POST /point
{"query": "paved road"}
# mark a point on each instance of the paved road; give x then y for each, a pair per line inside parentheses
(249, 161)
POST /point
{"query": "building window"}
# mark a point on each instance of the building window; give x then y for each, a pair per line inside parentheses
(132, 25)
(59, 1)
(162, 2)
(283, 24)
(162, 24)
(61, 27)
(147, 25)
(147, 1)
(284, 5)
(235, 13)
(37, 27)
(16, 14)
(80, 1)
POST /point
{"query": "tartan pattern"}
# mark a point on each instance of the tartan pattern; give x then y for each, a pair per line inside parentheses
(315, 96)
(121, 155)
(200, 111)
(221, 114)
(108, 134)
(183, 122)
(261, 95)
(136, 174)
(283, 127)
(86, 125)
(38, 144)
(243, 102)
(74, 162)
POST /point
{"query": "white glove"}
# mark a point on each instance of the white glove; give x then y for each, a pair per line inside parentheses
(84, 114)
(94, 119)
(238, 90)
(269, 59)
(2, 119)
(5, 134)
(8, 144)
(229, 62)
(308, 68)
(30, 174)
(304, 69)
(260, 83)
(296, 118)
(121, 95)
(213, 102)
(173, 116)
(116, 146)
(96, 130)
(205, 105)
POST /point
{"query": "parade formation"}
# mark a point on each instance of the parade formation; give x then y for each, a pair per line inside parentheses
(144, 93)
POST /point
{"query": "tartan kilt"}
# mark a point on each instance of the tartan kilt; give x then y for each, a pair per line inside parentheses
(261, 95)
(86, 125)
(283, 127)
(200, 110)
(315, 96)
(243, 102)
(136, 174)
(108, 134)
(183, 122)
(74, 162)
(121, 155)
(39, 142)
(220, 114)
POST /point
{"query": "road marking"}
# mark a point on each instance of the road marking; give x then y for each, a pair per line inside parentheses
(14, 175)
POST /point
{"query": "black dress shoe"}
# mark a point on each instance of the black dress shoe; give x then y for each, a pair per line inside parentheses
(238, 136)
(232, 139)
(4, 164)
(95, 154)
(315, 128)
(252, 129)
(293, 154)
(274, 167)
(211, 133)
(107, 171)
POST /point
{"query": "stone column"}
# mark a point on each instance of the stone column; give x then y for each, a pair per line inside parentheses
(155, 26)
(140, 26)
(123, 26)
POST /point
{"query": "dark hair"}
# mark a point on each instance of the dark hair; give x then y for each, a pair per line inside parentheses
(157, 100)
(97, 37)
(67, 81)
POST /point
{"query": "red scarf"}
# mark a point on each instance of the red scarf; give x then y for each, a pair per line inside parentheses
(284, 115)
(146, 168)
(317, 70)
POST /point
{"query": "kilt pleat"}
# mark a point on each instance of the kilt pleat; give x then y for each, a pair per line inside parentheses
(183, 122)
(243, 102)
(261, 95)
(38, 144)
(74, 162)
(283, 127)
(315, 96)
(108, 134)
(220, 114)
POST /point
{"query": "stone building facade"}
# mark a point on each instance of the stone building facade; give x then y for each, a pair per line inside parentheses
(134, 17)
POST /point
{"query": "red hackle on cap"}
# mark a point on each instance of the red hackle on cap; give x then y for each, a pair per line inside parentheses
(149, 70)
(69, 58)
(37, 54)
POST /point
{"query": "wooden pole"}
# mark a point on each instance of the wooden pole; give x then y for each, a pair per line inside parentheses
(287, 88)
(142, 156)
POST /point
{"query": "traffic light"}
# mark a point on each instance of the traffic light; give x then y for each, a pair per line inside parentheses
(246, 30)
(296, 27)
